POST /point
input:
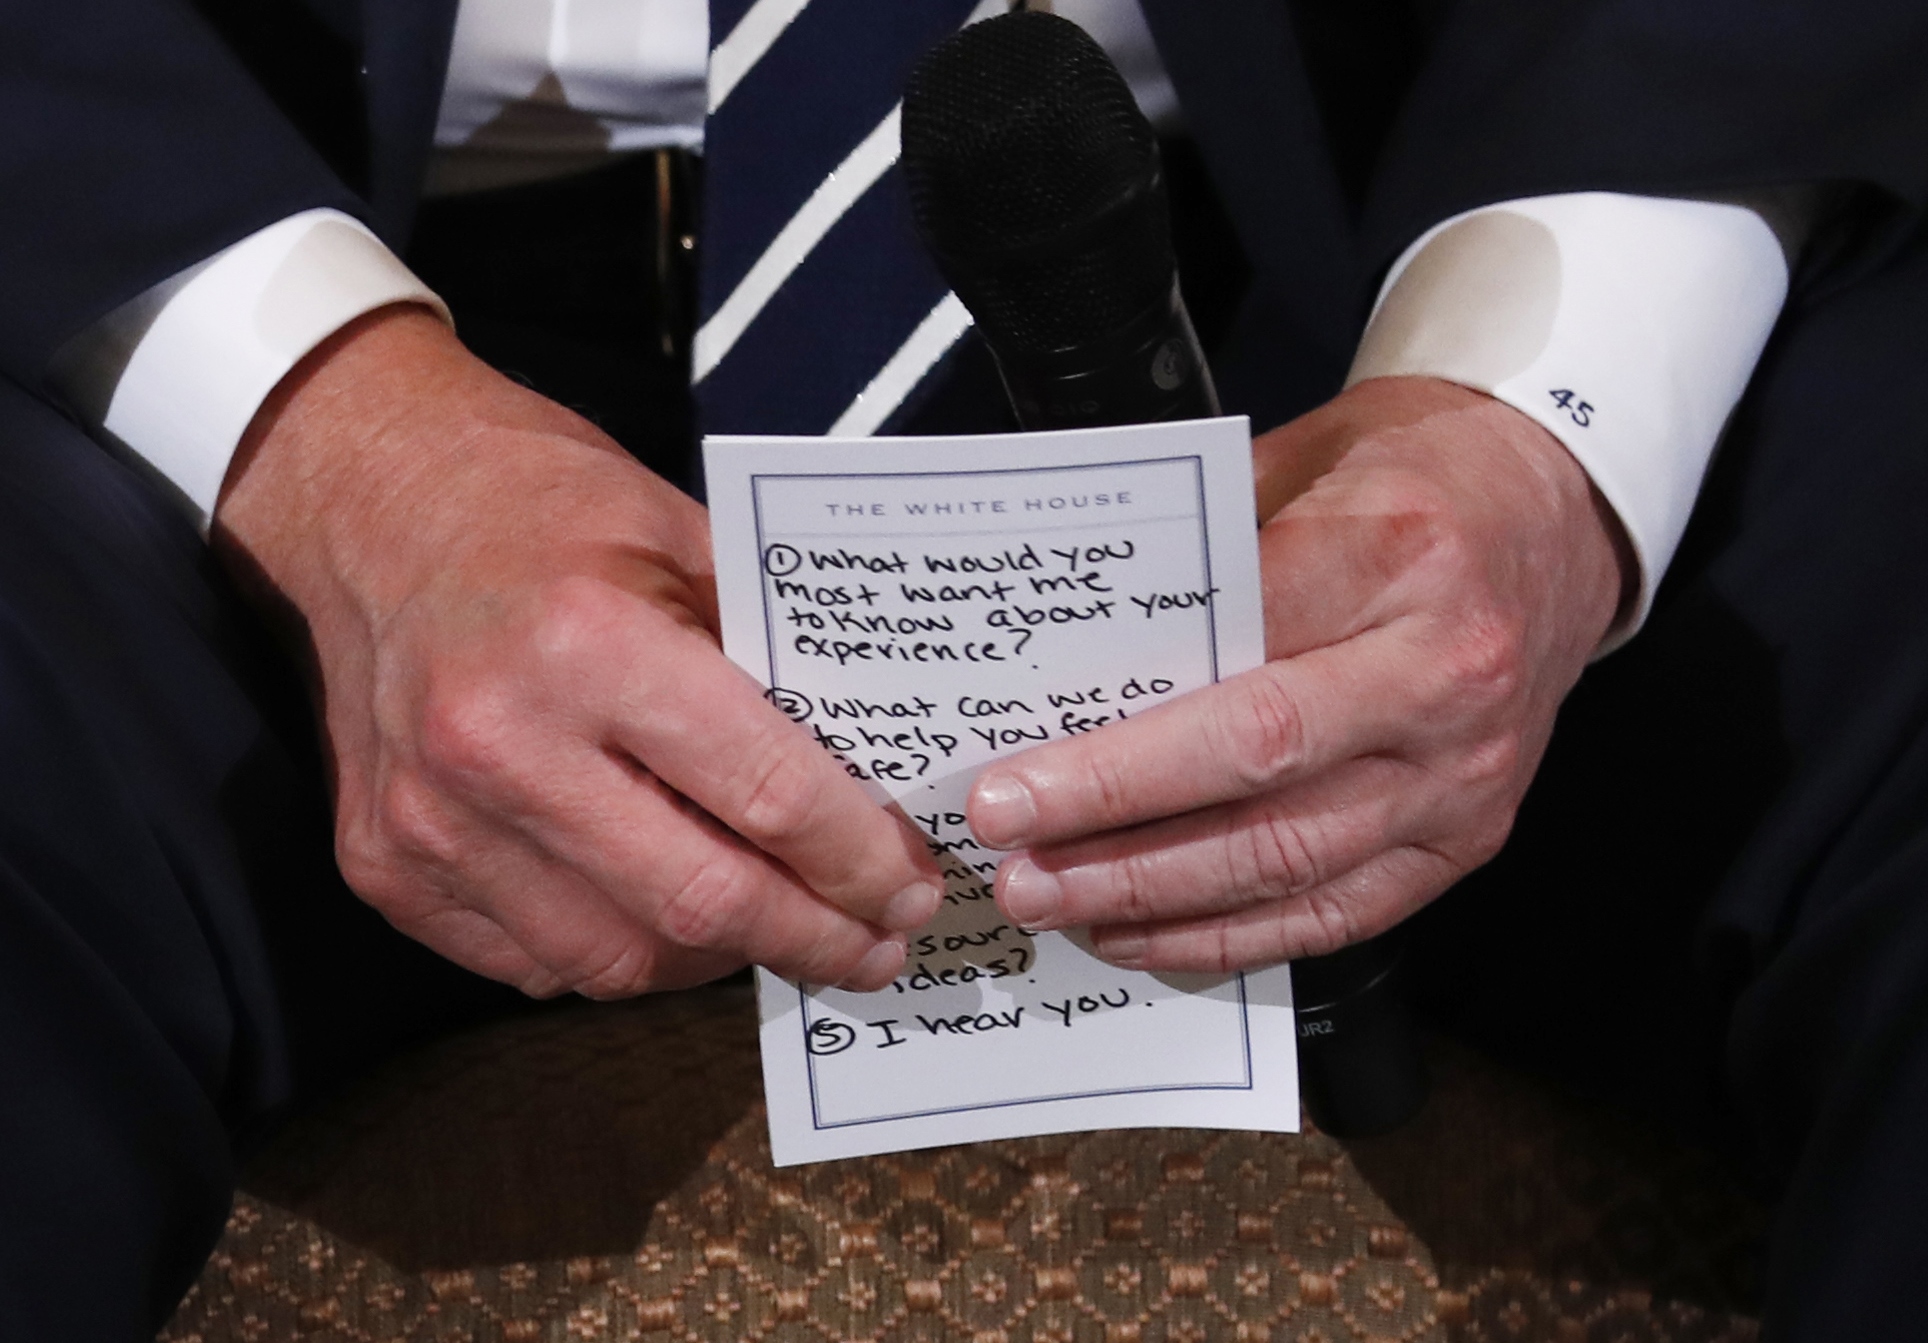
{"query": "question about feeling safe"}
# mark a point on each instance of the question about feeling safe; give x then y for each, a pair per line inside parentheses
(921, 607)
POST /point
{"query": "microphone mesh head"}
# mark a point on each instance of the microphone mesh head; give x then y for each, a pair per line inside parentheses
(1034, 179)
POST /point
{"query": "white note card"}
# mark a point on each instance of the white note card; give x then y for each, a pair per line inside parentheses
(922, 606)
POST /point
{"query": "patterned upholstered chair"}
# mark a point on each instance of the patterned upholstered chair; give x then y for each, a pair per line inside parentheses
(602, 1173)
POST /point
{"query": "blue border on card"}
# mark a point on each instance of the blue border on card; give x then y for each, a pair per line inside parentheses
(770, 650)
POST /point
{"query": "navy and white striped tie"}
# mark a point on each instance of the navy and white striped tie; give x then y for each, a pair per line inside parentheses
(819, 310)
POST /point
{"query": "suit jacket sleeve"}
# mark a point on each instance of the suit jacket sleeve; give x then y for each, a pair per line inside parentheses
(1534, 97)
(1517, 99)
(137, 144)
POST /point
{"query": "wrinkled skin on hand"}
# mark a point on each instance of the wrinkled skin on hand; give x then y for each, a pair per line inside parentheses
(544, 768)
(1437, 569)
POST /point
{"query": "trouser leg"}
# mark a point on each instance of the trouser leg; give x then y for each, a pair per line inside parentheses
(134, 1018)
(177, 952)
(1819, 933)
(1715, 904)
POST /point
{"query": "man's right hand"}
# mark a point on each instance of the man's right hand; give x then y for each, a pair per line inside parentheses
(544, 766)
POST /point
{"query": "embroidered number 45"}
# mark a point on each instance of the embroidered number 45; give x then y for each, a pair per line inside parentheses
(1581, 412)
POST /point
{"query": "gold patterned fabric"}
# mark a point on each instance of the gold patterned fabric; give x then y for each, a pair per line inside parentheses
(603, 1173)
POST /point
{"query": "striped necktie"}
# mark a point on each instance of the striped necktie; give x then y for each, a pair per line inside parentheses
(819, 310)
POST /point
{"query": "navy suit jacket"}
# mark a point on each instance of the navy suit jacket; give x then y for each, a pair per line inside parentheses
(140, 136)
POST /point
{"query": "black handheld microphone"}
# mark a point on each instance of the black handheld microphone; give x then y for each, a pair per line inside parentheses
(1035, 182)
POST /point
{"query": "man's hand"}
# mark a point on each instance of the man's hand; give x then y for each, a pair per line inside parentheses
(544, 767)
(1437, 570)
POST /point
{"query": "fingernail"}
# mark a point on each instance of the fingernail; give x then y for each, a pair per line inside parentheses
(1031, 896)
(1002, 810)
(878, 967)
(1124, 947)
(912, 907)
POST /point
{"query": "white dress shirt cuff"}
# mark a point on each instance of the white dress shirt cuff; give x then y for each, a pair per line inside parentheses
(202, 351)
(1627, 325)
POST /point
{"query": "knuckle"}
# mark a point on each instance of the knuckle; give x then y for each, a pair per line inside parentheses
(1495, 761)
(360, 854)
(410, 819)
(708, 911)
(366, 869)
(409, 822)
(1134, 894)
(577, 618)
(1110, 782)
(1418, 525)
(1278, 857)
(1485, 663)
(830, 959)
(1335, 924)
(1487, 838)
(779, 803)
(465, 731)
(1267, 738)
(1221, 955)
(388, 878)
(1427, 537)
(1435, 525)
(622, 973)
(541, 984)
(1449, 550)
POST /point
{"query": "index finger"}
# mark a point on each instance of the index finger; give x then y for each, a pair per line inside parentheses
(1280, 723)
(703, 727)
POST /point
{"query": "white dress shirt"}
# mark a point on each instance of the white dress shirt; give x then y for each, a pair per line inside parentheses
(1627, 326)
(542, 87)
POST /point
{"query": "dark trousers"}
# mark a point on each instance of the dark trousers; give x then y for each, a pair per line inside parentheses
(1717, 890)
(1714, 906)
(176, 947)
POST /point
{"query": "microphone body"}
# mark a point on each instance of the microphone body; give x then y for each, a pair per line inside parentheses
(1036, 183)
(1037, 186)
(1360, 1069)
(1150, 369)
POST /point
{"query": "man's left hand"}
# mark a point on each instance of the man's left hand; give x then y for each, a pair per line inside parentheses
(1437, 569)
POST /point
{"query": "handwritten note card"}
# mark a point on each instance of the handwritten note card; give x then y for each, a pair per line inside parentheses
(923, 606)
